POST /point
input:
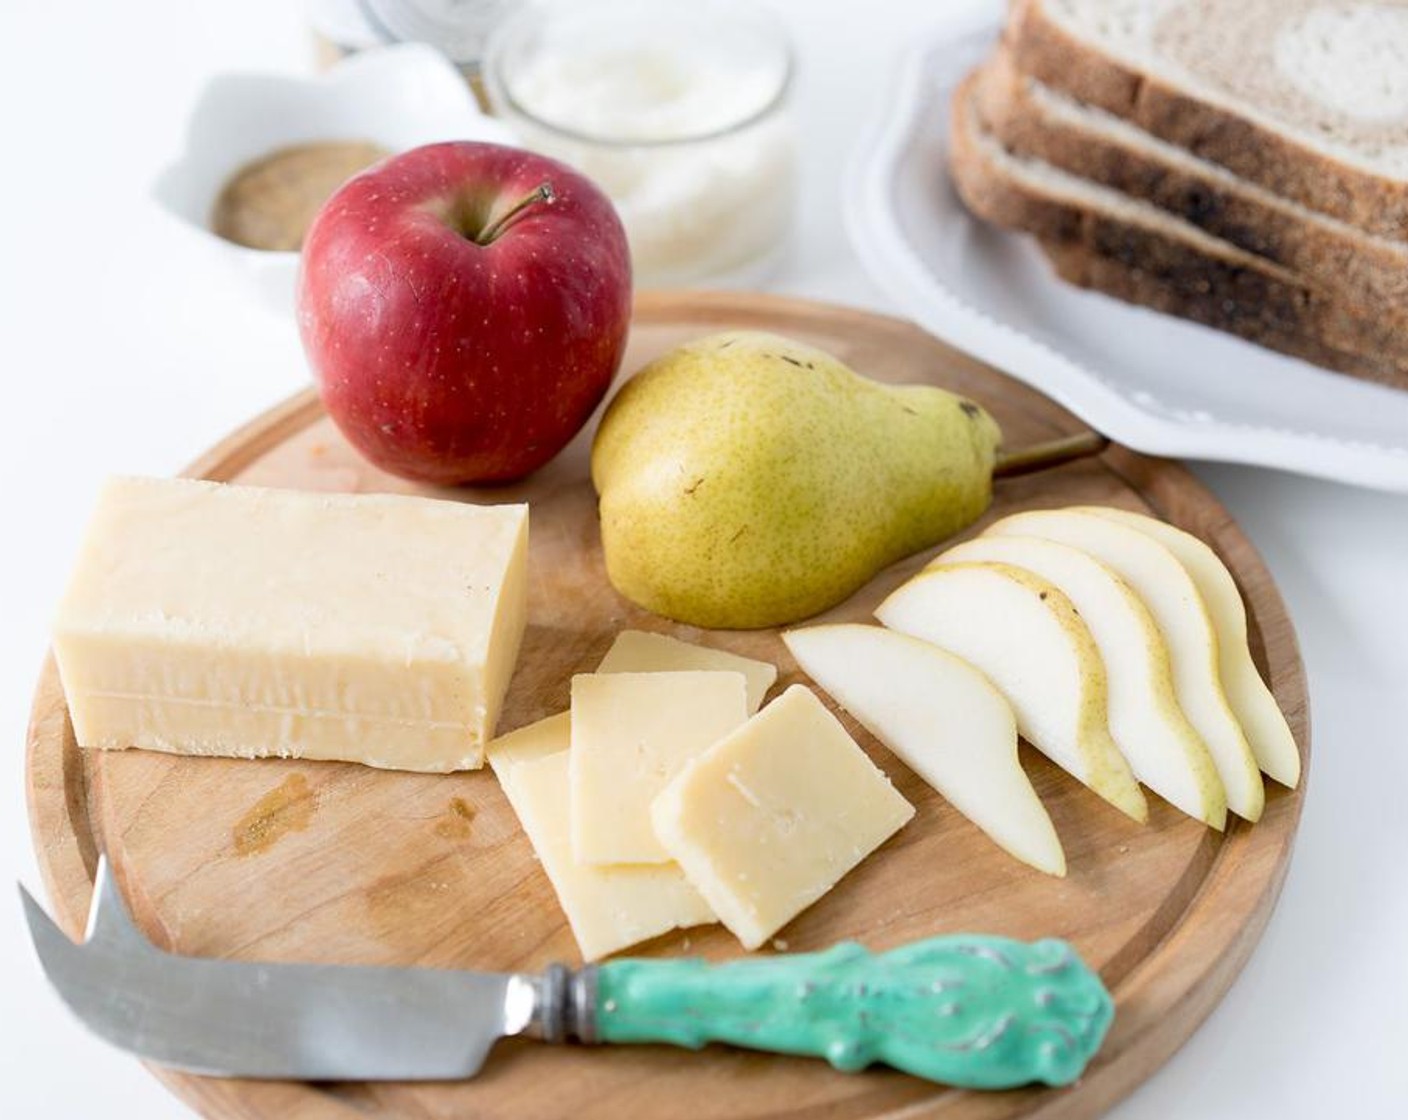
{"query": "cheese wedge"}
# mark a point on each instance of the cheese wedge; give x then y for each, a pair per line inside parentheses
(770, 818)
(608, 908)
(228, 620)
(632, 733)
(636, 651)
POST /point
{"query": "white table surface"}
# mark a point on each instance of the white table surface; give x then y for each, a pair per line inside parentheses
(124, 351)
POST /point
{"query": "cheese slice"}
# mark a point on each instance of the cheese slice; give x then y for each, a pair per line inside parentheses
(528, 744)
(632, 733)
(608, 908)
(770, 818)
(230, 620)
(636, 651)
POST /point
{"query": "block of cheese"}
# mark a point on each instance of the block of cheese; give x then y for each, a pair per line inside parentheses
(636, 651)
(608, 908)
(230, 620)
(632, 733)
(768, 819)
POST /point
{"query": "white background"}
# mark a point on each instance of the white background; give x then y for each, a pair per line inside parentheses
(122, 350)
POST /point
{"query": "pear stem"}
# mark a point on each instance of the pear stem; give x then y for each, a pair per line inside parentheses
(543, 192)
(1052, 453)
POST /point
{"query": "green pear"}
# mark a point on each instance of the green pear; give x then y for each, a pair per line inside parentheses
(747, 480)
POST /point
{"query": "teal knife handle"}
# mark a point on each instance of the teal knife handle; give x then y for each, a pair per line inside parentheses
(970, 1011)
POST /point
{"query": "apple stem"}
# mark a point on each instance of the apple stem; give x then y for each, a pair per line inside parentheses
(542, 193)
(1051, 453)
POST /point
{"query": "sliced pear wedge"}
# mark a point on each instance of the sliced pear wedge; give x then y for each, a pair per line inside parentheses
(1147, 724)
(1273, 745)
(1156, 576)
(1026, 637)
(944, 719)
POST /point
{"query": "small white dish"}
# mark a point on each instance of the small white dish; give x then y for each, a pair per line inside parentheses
(396, 97)
(1156, 383)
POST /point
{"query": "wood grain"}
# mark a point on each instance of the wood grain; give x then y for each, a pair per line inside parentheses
(288, 860)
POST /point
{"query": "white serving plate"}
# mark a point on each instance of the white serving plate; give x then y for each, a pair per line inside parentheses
(397, 97)
(1151, 381)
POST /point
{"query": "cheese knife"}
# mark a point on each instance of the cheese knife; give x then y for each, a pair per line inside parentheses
(971, 1011)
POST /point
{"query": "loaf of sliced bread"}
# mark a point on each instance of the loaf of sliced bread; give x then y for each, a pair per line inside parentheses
(1307, 99)
(1032, 119)
(1163, 261)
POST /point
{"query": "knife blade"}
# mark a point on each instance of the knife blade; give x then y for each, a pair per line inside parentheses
(966, 1010)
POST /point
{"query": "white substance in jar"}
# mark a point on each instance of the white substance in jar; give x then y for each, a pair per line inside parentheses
(677, 115)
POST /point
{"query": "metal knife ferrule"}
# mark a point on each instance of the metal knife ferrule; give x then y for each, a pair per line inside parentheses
(564, 1005)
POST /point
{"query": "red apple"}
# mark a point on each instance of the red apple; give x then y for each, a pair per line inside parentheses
(464, 307)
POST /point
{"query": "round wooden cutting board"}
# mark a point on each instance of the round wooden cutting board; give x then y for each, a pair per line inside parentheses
(298, 861)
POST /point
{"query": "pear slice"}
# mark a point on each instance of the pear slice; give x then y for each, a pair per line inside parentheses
(1156, 576)
(1024, 635)
(1164, 750)
(1268, 733)
(944, 719)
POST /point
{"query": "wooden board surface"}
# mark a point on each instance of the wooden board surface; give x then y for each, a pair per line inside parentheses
(297, 861)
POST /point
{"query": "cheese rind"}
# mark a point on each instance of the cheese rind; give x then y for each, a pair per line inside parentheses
(770, 818)
(632, 733)
(608, 908)
(211, 619)
(638, 651)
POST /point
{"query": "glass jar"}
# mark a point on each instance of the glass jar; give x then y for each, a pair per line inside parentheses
(678, 109)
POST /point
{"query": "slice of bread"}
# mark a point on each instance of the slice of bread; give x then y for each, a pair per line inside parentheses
(1309, 100)
(1032, 119)
(1181, 269)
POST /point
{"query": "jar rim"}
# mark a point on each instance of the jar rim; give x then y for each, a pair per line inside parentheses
(500, 89)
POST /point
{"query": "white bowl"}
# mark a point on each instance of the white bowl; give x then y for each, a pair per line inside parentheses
(396, 97)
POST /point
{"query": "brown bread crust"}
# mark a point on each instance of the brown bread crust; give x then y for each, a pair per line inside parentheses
(1218, 296)
(1046, 51)
(1366, 272)
(1263, 303)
